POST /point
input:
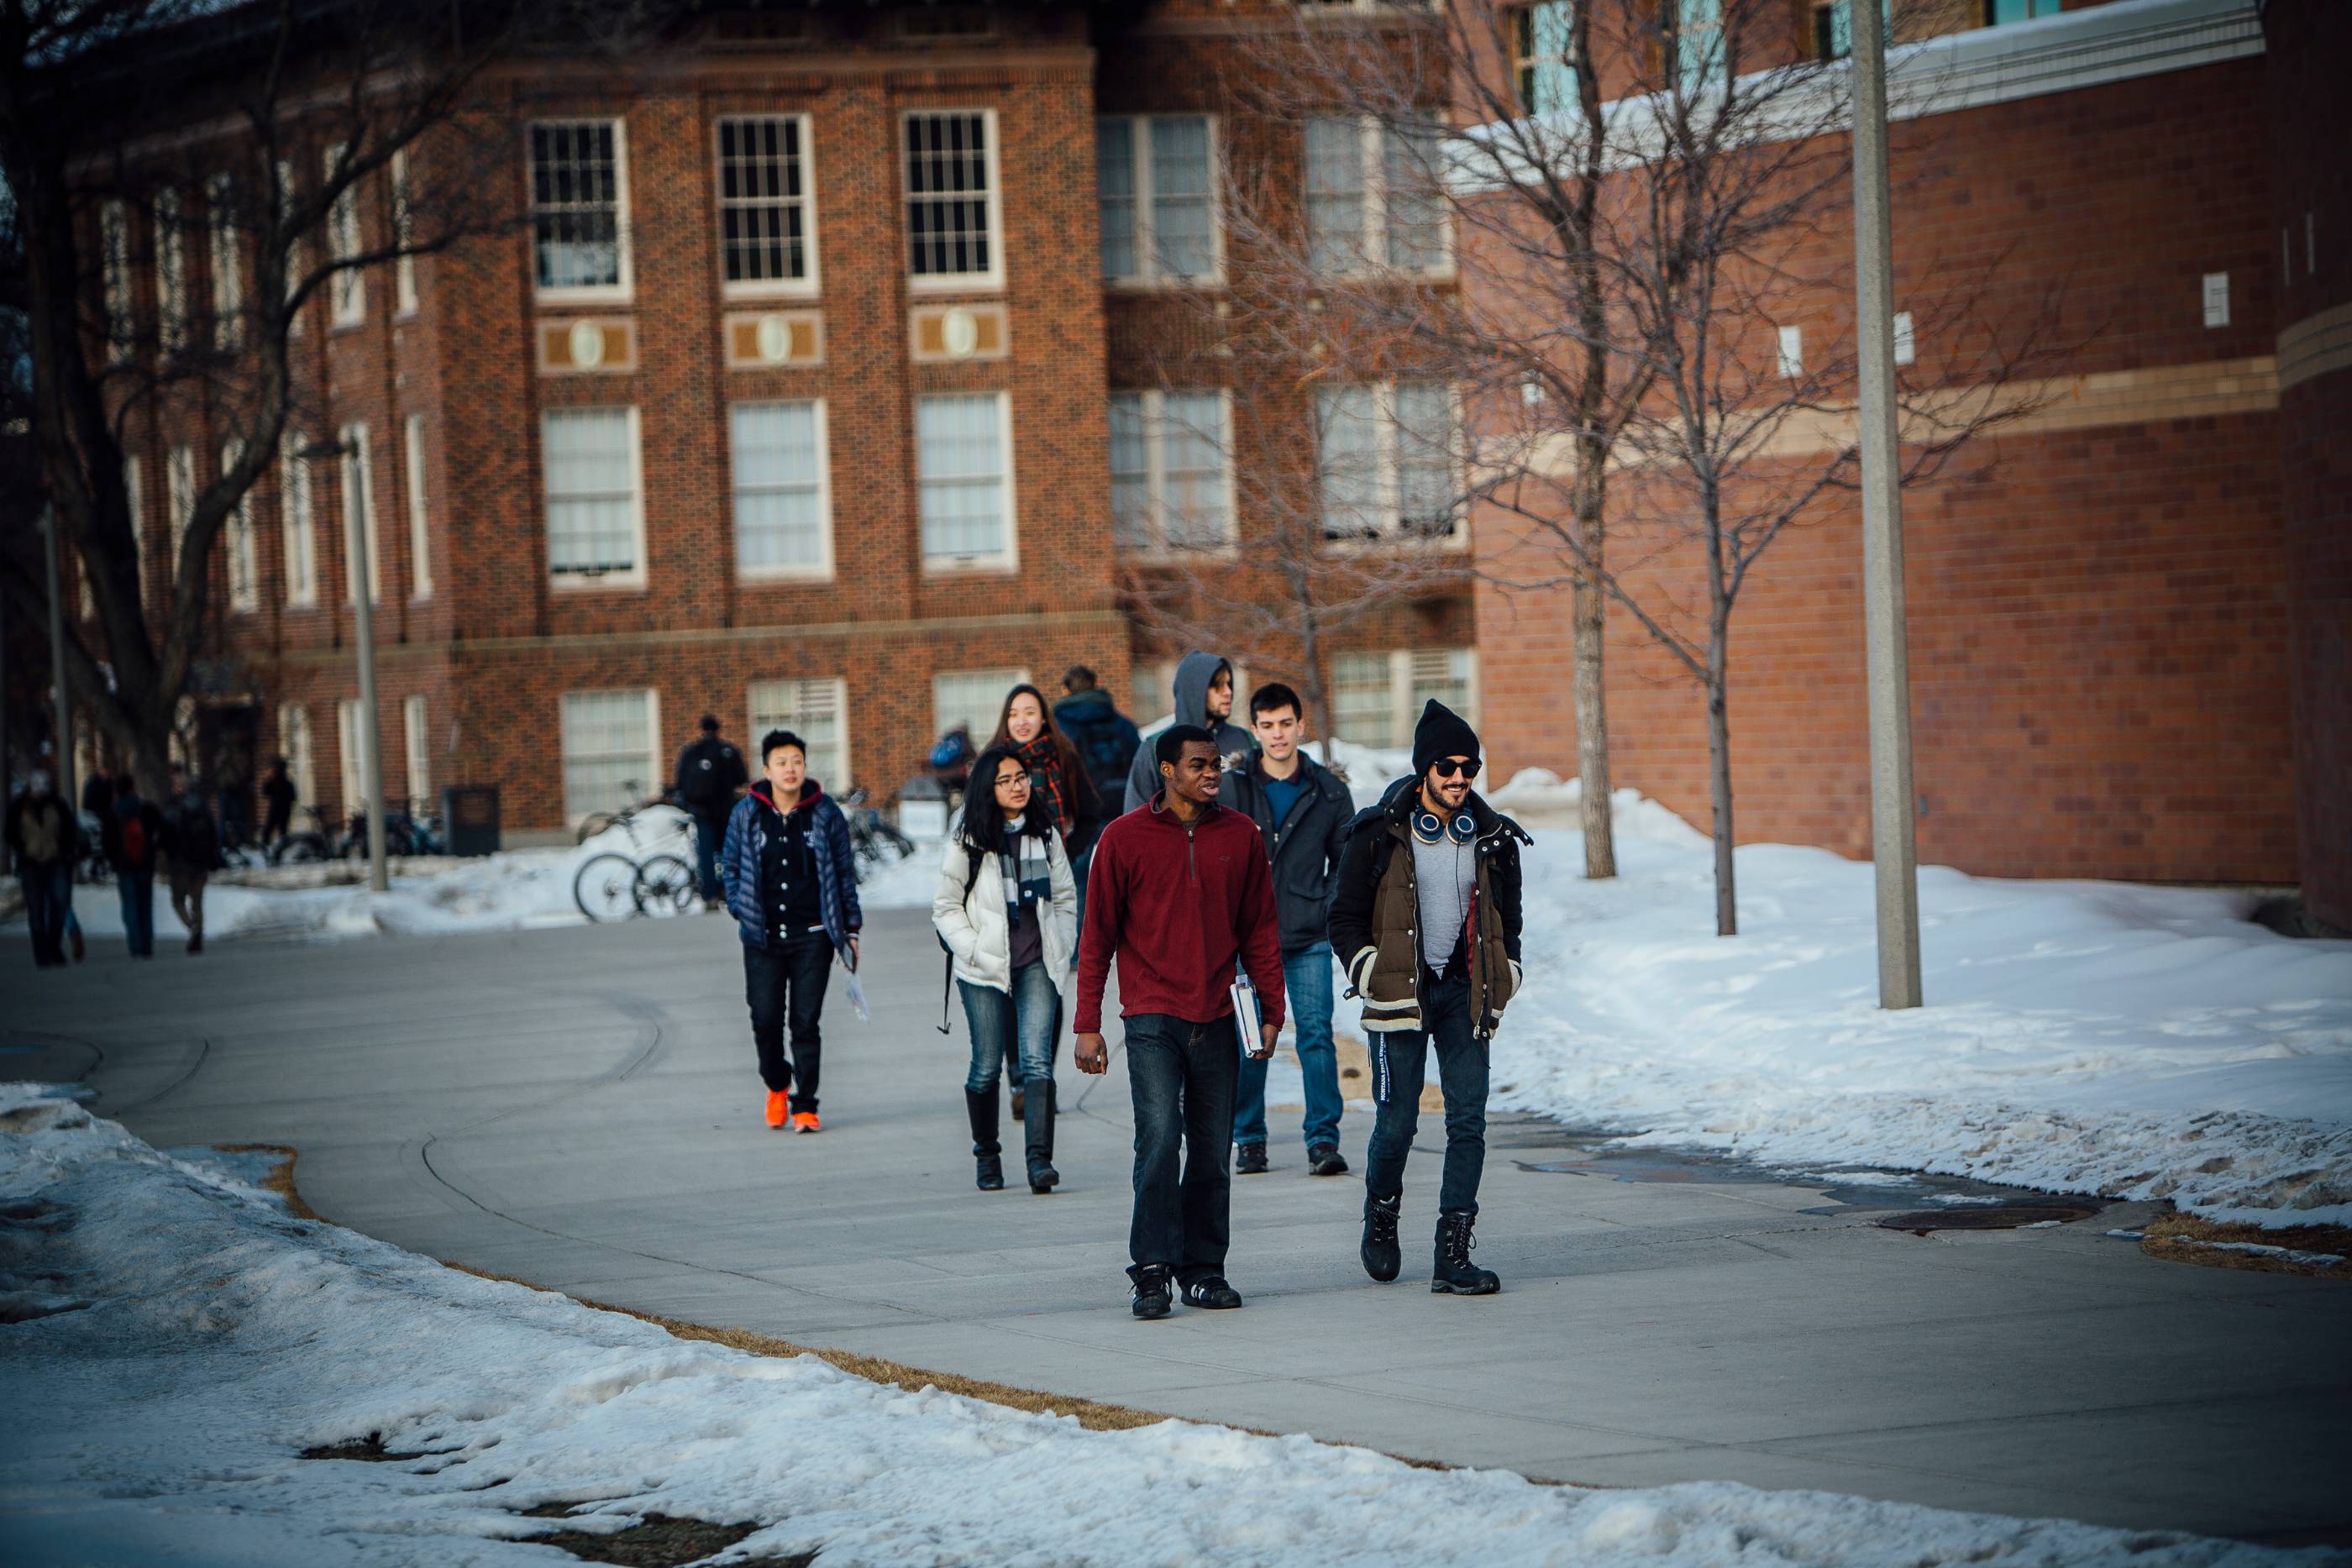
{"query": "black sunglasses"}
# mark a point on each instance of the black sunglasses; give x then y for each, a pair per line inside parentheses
(1446, 768)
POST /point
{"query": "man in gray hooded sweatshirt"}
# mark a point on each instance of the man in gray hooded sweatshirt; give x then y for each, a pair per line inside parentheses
(1204, 697)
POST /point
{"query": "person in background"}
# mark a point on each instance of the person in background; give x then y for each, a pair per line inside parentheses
(1007, 908)
(1106, 742)
(277, 801)
(1184, 901)
(191, 850)
(46, 840)
(1204, 700)
(133, 840)
(98, 794)
(233, 782)
(710, 779)
(792, 884)
(1302, 812)
(1064, 795)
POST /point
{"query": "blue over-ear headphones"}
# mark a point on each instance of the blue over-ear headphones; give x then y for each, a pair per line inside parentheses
(1428, 827)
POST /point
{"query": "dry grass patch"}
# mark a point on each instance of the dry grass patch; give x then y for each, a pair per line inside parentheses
(280, 1179)
(656, 1540)
(2186, 1238)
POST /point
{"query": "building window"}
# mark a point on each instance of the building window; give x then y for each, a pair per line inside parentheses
(134, 488)
(294, 522)
(114, 239)
(1834, 28)
(783, 522)
(180, 498)
(420, 536)
(1170, 486)
(612, 747)
(359, 519)
(595, 524)
(963, 446)
(1372, 202)
(244, 581)
(286, 194)
(952, 210)
(1387, 460)
(1377, 697)
(766, 222)
(294, 745)
(815, 710)
(1695, 37)
(971, 700)
(2000, 11)
(404, 234)
(171, 274)
(226, 263)
(347, 291)
(1543, 56)
(420, 760)
(580, 207)
(1156, 178)
(350, 736)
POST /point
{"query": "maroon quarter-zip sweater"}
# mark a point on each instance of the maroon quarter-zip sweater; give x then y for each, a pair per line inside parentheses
(1179, 906)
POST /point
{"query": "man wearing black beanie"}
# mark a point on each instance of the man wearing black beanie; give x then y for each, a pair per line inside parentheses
(1425, 918)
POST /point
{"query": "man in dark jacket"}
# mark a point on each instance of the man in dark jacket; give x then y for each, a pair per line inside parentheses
(277, 801)
(792, 884)
(1426, 921)
(190, 852)
(1204, 699)
(710, 778)
(46, 839)
(1104, 737)
(1181, 896)
(1302, 812)
(133, 840)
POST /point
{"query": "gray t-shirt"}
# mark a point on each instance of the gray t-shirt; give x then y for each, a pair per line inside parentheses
(1443, 873)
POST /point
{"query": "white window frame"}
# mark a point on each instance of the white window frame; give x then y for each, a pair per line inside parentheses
(957, 282)
(1530, 59)
(135, 486)
(294, 744)
(822, 568)
(418, 753)
(942, 720)
(653, 777)
(171, 274)
(180, 503)
(1710, 69)
(298, 527)
(1141, 130)
(404, 234)
(114, 246)
(1156, 430)
(420, 533)
(244, 578)
(623, 290)
(1008, 557)
(347, 289)
(1372, 240)
(1391, 531)
(764, 709)
(359, 491)
(350, 738)
(769, 288)
(286, 194)
(226, 261)
(1405, 690)
(590, 582)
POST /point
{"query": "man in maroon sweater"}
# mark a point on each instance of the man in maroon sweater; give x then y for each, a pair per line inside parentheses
(1181, 893)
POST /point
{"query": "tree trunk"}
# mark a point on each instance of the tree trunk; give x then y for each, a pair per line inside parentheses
(1718, 727)
(1592, 731)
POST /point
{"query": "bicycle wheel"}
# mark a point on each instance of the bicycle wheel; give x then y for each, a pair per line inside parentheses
(595, 823)
(606, 887)
(665, 886)
(902, 846)
(295, 849)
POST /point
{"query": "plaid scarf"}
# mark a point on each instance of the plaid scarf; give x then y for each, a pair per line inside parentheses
(1044, 765)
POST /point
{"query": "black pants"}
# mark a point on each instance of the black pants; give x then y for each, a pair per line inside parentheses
(1181, 1076)
(785, 982)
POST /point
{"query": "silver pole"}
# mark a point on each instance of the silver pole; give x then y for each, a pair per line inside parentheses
(68, 786)
(1893, 847)
(358, 523)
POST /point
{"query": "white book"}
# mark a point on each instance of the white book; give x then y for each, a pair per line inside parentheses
(1245, 1013)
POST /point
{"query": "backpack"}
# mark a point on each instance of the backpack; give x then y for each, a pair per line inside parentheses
(704, 789)
(136, 850)
(947, 967)
(1107, 746)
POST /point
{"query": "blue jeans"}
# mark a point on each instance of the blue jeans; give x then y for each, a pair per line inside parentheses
(49, 903)
(1398, 1063)
(1181, 1076)
(709, 836)
(1026, 1021)
(1306, 981)
(137, 891)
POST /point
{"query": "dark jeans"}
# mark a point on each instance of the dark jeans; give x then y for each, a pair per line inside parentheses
(785, 982)
(1398, 1062)
(137, 891)
(1181, 1076)
(710, 835)
(49, 899)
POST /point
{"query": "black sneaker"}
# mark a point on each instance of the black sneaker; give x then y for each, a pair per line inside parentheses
(1455, 1274)
(1324, 1159)
(1213, 1292)
(1382, 1260)
(1249, 1159)
(1151, 1293)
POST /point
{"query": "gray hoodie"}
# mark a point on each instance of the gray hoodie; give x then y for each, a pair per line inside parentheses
(1193, 677)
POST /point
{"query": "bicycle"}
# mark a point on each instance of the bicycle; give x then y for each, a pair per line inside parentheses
(611, 886)
(874, 843)
(303, 845)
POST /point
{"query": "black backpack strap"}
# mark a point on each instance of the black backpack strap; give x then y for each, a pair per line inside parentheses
(946, 964)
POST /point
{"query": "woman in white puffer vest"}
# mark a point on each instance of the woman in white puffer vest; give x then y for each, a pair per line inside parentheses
(1007, 909)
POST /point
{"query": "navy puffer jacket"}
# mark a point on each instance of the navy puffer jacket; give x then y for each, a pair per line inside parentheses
(754, 818)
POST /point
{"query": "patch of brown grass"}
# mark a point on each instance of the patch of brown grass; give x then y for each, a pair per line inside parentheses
(280, 1179)
(658, 1540)
(2173, 1237)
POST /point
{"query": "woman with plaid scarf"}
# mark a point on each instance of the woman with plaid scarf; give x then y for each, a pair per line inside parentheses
(1062, 789)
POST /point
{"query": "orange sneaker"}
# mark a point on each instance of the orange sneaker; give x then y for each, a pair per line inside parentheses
(775, 1110)
(807, 1122)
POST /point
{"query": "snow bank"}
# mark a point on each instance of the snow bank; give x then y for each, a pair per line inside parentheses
(2138, 1041)
(185, 1340)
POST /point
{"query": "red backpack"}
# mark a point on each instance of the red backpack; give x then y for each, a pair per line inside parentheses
(135, 847)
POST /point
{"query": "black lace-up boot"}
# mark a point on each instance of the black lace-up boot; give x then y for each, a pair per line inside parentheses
(1455, 1274)
(1382, 1260)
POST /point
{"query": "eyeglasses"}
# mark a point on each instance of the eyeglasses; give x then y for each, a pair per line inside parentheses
(1007, 780)
(1446, 768)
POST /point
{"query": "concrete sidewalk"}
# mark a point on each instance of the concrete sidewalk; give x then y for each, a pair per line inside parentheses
(577, 1108)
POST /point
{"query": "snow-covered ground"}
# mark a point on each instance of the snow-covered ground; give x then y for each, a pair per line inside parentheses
(178, 1340)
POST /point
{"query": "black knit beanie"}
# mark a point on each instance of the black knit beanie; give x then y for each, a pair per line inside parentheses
(1440, 734)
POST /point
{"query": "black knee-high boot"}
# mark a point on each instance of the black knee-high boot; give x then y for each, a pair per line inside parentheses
(985, 1149)
(1044, 1100)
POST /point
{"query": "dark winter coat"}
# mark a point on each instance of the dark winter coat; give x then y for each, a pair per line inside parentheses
(1192, 692)
(191, 838)
(1104, 738)
(1376, 910)
(1306, 846)
(112, 839)
(710, 771)
(755, 816)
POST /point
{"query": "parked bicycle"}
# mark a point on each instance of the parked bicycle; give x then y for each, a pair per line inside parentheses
(625, 818)
(654, 880)
(405, 833)
(873, 842)
(298, 846)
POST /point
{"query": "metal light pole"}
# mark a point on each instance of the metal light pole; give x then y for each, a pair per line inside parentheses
(1893, 847)
(68, 786)
(356, 523)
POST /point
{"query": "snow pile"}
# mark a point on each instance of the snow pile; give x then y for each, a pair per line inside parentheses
(2138, 1041)
(185, 1340)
